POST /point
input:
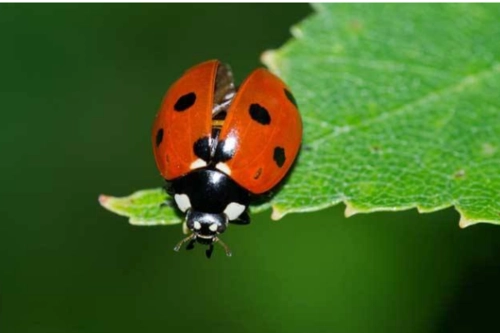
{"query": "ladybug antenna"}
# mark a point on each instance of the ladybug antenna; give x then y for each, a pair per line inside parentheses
(187, 239)
(226, 248)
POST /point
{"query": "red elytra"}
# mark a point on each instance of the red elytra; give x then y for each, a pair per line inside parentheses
(263, 151)
(182, 128)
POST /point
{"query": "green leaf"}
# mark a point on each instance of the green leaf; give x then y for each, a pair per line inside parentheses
(150, 207)
(146, 207)
(401, 109)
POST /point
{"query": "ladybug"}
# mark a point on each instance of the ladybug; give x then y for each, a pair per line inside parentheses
(219, 147)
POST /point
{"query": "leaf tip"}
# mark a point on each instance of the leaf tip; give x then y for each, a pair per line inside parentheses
(109, 202)
(297, 32)
(103, 199)
(350, 210)
(465, 222)
(277, 214)
(268, 58)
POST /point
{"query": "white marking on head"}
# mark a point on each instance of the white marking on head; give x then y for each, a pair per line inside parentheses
(213, 227)
(183, 202)
(199, 163)
(197, 225)
(234, 210)
(224, 168)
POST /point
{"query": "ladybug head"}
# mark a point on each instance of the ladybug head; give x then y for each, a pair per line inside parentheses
(205, 228)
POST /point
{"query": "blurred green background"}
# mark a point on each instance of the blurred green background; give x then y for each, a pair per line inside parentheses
(80, 85)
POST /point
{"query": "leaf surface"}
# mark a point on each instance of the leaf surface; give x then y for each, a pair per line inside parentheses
(401, 109)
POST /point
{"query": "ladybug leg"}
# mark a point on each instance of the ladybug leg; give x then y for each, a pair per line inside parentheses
(187, 239)
(209, 251)
(243, 219)
(190, 245)
(226, 248)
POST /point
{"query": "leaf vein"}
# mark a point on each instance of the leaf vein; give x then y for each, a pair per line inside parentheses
(426, 99)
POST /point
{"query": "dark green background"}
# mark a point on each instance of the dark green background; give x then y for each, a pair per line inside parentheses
(80, 85)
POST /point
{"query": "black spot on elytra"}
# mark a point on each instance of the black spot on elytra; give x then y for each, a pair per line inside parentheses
(279, 156)
(201, 148)
(224, 151)
(259, 114)
(185, 102)
(290, 97)
(159, 137)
